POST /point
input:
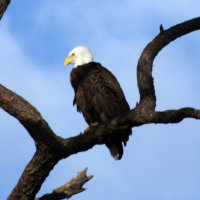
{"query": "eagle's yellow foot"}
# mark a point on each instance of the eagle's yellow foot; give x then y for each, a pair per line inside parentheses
(91, 126)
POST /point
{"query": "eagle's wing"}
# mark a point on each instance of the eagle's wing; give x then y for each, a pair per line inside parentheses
(108, 98)
(109, 101)
(113, 86)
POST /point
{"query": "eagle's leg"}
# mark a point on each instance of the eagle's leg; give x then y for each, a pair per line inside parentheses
(91, 126)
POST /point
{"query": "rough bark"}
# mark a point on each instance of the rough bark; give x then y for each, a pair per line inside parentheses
(69, 189)
(34, 174)
(51, 148)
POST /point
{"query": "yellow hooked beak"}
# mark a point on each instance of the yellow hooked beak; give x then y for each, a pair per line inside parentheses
(68, 60)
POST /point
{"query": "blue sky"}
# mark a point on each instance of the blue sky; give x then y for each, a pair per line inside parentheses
(160, 161)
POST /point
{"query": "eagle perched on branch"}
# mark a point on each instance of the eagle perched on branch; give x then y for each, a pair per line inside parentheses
(98, 95)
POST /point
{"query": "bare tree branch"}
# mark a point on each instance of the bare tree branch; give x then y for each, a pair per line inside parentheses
(176, 116)
(28, 116)
(3, 6)
(50, 148)
(145, 63)
(74, 186)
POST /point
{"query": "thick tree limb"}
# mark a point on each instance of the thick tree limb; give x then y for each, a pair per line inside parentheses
(100, 134)
(69, 189)
(51, 148)
(34, 174)
(28, 116)
(3, 6)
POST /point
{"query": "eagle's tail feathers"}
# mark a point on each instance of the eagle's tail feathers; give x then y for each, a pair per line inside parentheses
(116, 150)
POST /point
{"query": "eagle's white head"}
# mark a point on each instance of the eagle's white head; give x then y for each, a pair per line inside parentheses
(79, 56)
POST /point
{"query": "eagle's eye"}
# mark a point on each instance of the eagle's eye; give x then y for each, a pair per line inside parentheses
(73, 54)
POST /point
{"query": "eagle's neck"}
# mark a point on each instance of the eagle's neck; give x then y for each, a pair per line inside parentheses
(82, 60)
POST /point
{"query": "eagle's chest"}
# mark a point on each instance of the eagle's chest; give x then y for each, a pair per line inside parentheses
(84, 78)
(83, 81)
(85, 90)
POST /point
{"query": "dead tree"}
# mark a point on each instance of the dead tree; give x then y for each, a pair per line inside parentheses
(51, 148)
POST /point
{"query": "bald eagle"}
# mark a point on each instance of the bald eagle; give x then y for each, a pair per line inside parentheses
(98, 95)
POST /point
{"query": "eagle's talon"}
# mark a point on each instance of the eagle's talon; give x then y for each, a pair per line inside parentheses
(91, 126)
